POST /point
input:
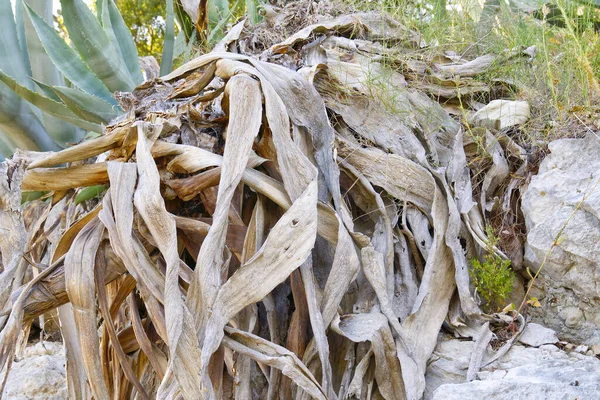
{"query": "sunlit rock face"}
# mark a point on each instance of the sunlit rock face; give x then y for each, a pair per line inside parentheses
(39, 375)
(562, 207)
(524, 373)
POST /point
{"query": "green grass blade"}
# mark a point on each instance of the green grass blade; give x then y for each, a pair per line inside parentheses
(67, 61)
(94, 46)
(166, 63)
(217, 32)
(119, 34)
(47, 105)
(184, 21)
(86, 106)
(189, 48)
(180, 44)
(217, 10)
(219, 16)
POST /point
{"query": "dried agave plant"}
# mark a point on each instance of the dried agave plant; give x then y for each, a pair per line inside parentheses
(266, 231)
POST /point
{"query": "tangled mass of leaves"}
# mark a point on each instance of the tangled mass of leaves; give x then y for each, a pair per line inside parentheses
(269, 228)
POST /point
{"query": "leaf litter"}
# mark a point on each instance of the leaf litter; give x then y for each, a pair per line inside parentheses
(282, 221)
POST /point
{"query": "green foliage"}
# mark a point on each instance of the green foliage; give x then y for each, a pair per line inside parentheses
(166, 64)
(493, 278)
(55, 90)
(66, 59)
(89, 193)
(52, 107)
(21, 123)
(146, 21)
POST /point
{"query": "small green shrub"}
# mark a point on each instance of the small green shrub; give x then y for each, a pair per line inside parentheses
(493, 277)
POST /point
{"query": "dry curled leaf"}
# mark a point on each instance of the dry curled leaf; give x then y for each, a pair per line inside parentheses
(249, 200)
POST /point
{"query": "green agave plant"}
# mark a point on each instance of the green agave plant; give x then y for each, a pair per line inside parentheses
(53, 93)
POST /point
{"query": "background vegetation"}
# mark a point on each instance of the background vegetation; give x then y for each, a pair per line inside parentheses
(145, 19)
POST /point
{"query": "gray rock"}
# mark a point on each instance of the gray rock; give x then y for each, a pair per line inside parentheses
(549, 347)
(448, 364)
(581, 349)
(516, 390)
(523, 373)
(536, 335)
(39, 375)
(568, 284)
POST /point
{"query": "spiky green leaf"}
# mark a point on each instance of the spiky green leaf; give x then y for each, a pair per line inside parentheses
(31, 196)
(119, 34)
(17, 118)
(99, 7)
(20, 25)
(67, 61)
(47, 90)
(86, 106)
(12, 60)
(47, 105)
(43, 71)
(94, 46)
(6, 146)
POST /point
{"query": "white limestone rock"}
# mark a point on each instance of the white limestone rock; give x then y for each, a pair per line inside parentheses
(568, 284)
(536, 335)
(39, 375)
(530, 373)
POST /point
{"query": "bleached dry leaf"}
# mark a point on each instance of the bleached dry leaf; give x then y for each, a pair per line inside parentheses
(14, 237)
(77, 383)
(275, 356)
(247, 199)
(481, 343)
(359, 327)
(79, 277)
(183, 346)
(402, 178)
(284, 250)
(49, 179)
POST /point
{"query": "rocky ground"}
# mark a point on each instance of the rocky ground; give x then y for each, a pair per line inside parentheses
(527, 372)
(39, 374)
(538, 367)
